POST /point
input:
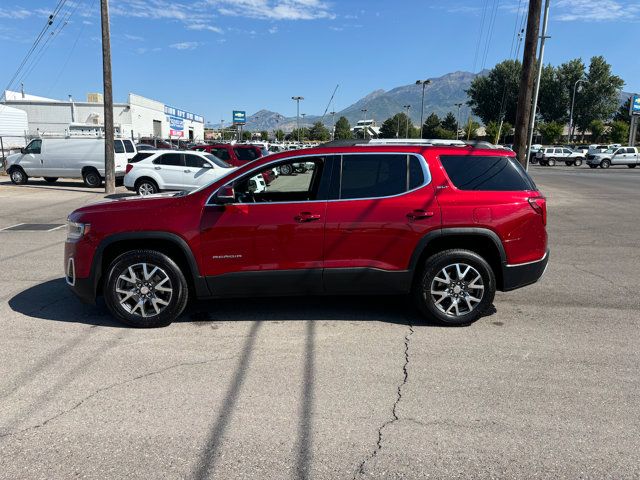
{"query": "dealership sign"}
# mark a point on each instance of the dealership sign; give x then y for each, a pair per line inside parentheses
(239, 117)
(635, 105)
(176, 112)
(176, 127)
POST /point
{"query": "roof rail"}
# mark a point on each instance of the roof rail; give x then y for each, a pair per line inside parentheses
(428, 142)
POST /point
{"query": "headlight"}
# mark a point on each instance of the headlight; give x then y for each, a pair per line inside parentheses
(76, 230)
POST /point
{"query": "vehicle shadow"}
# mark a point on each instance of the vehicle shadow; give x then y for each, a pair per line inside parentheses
(53, 300)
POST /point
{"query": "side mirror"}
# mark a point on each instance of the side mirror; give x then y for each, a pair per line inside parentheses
(23, 150)
(226, 195)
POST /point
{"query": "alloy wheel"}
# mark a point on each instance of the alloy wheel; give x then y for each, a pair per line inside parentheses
(457, 289)
(146, 189)
(17, 176)
(144, 289)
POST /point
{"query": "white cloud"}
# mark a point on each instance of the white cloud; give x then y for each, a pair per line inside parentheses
(205, 26)
(134, 38)
(15, 13)
(273, 30)
(185, 45)
(274, 9)
(596, 10)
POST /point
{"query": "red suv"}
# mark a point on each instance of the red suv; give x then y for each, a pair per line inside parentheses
(447, 225)
(234, 154)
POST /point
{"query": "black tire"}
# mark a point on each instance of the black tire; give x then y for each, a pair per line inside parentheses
(176, 301)
(18, 176)
(568, 164)
(286, 169)
(578, 162)
(593, 166)
(433, 267)
(51, 179)
(551, 162)
(146, 186)
(92, 178)
(605, 163)
(543, 163)
(631, 166)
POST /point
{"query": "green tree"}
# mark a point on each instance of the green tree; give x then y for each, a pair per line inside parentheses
(430, 127)
(279, 135)
(493, 131)
(619, 131)
(471, 130)
(450, 122)
(319, 132)
(394, 127)
(246, 135)
(553, 102)
(550, 131)
(623, 112)
(597, 130)
(343, 129)
(264, 135)
(486, 92)
(293, 136)
(600, 97)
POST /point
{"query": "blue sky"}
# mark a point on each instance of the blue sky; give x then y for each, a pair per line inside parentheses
(212, 56)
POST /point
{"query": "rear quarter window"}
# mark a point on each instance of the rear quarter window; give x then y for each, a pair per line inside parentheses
(487, 173)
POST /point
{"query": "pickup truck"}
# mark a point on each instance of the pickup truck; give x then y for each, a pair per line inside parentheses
(628, 156)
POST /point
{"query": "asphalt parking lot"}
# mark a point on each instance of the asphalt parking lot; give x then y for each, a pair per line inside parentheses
(545, 386)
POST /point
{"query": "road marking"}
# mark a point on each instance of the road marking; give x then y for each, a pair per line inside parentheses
(11, 226)
(56, 228)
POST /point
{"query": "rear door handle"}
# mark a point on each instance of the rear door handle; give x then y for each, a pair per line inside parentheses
(305, 217)
(419, 215)
(157, 168)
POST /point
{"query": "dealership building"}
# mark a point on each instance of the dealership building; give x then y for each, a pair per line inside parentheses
(139, 117)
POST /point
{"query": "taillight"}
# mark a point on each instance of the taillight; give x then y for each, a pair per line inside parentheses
(129, 167)
(539, 205)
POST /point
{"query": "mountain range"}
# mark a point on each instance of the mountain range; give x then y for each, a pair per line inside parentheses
(440, 98)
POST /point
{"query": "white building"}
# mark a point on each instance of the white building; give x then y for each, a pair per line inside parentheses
(137, 118)
(372, 130)
(13, 127)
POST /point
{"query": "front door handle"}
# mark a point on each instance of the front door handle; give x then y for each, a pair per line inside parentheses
(419, 215)
(187, 171)
(305, 217)
(157, 168)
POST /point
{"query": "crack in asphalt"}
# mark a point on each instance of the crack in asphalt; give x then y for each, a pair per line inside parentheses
(109, 387)
(602, 277)
(394, 411)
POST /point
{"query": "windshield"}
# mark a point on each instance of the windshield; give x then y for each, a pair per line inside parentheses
(228, 171)
(217, 161)
(610, 150)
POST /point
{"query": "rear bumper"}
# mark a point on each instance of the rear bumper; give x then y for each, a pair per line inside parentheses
(517, 276)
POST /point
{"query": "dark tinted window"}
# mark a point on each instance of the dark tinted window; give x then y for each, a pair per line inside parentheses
(221, 153)
(117, 145)
(194, 161)
(141, 156)
(486, 173)
(128, 146)
(34, 147)
(370, 176)
(416, 175)
(246, 154)
(174, 159)
(217, 161)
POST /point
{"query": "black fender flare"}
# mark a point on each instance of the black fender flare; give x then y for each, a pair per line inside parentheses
(451, 232)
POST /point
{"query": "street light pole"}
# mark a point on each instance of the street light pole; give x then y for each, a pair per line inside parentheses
(364, 121)
(222, 129)
(424, 83)
(297, 100)
(407, 107)
(458, 121)
(573, 102)
(333, 116)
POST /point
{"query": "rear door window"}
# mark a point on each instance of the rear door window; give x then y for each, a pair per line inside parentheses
(488, 173)
(245, 154)
(169, 159)
(141, 156)
(221, 153)
(128, 146)
(118, 147)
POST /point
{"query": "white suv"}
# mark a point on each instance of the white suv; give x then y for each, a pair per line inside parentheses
(171, 170)
(549, 156)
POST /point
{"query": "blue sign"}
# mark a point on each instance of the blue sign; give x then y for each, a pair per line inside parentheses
(176, 112)
(635, 105)
(239, 117)
(176, 127)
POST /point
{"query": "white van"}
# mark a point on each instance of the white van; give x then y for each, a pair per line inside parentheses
(53, 158)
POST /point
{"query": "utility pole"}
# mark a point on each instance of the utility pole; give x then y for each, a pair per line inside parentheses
(333, 116)
(297, 100)
(109, 160)
(536, 92)
(458, 121)
(407, 107)
(364, 123)
(525, 93)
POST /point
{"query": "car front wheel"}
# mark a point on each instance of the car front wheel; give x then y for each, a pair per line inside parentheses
(145, 288)
(18, 176)
(605, 163)
(455, 288)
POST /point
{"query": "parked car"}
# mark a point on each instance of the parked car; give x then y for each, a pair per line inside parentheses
(237, 155)
(54, 158)
(143, 146)
(593, 149)
(615, 156)
(170, 170)
(442, 224)
(549, 156)
(158, 143)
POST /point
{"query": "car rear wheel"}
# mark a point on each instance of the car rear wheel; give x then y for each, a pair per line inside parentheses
(578, 162)
(551, 162)
(51, 179)
(631, 166)
(593, 166)
(145, 288)
(92, 178)
(146, 187)
(18, 176)
(455, 288)
(605, 163)
(286, 169)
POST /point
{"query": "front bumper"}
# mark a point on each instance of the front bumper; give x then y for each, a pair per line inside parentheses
(83, 288)
(518, 276)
